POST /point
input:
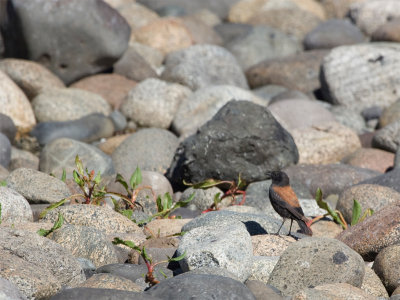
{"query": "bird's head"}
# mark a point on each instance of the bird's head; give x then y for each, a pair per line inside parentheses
(278, 178)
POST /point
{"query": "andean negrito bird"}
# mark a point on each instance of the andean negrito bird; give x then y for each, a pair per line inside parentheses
(285, 202)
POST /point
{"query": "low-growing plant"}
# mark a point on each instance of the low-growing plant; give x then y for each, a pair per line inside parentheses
(59, 222)
(89, 183)
(94, 193)
(234, 189)
(149, 277)
(3, 183)
(337, 215)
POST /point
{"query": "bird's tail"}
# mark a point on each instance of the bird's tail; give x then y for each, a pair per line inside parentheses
(305, 227)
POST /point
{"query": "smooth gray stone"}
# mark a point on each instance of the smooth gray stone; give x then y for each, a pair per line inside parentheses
(7, 127)
(74, 44)
(5, 150)
(87, 129)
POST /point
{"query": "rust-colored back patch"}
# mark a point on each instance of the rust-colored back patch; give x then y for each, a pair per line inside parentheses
(287, 194)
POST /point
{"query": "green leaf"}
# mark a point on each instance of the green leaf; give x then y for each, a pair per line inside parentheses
(127, 213)
(355, 217)
(160, 207)
(3, 183)
(77, 178)
(180, 257)
(43, 232)
(169, 200)
(183, 203)
(115, 203)
(163, 274)
(130, 244)
(165, 202)
(145, 256)
(204, 184)
(369, 212)
(64, 175)
(97, 179)
(322, 204)
(79, 165)
(59, 222)
(191, 197)
(50, 207)
(120, 179)
(241, 183)
(217, 199)
(136, 178)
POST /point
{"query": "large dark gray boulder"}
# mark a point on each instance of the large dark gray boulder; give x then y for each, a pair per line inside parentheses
(200, 286)
(100, 294)
(72, 38)
(242, 138)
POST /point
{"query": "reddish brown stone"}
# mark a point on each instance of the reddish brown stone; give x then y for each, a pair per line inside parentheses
(380, 230)
(369, 158)
(296, 72)
(389, 31)
(112, 87)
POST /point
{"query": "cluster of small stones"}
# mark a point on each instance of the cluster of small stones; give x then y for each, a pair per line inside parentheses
(188, 90)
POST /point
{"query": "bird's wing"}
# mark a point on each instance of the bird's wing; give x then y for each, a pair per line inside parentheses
(291, 203)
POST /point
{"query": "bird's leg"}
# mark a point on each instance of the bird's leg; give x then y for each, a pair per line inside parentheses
(290, 229)
(280, 227)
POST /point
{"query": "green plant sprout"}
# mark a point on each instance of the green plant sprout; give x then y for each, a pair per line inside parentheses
(88, 183)
(165, 207)
(64, 175)
(149, 278)
(59, 222)
(233, 190)
(3, 183)
(337, 215)
(133, 188)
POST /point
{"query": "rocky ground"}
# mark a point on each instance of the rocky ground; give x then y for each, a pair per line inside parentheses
(188, 90)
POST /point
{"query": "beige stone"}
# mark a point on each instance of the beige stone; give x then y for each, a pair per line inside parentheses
(67, 104)
(165, 227)
(137, 15)
(336, 291)
(291, 21)
(166, 35)
(325, 144)
(372, 285)
(15, 104)
(270, 245)
(244, 10)
(337, 9)
(30, 76)
(112, 143)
